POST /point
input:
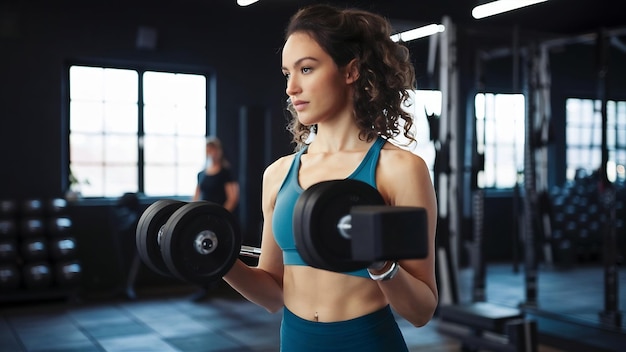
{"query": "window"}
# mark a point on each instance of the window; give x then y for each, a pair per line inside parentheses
(136, 131)
(583, 133)
(422, 102)
(500, 138)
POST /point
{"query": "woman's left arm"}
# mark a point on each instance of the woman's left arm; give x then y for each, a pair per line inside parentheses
(404, 180)
(232, 195)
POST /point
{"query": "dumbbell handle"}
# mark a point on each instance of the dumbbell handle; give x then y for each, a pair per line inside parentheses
(249, 251)
(207, 241)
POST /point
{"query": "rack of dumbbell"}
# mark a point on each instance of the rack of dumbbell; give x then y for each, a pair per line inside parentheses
(579, 220)
(38, 251)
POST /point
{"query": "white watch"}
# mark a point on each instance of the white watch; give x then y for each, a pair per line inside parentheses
(387, 275)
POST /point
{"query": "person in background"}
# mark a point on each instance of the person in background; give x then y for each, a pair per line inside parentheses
(347, 84)
(217, 184)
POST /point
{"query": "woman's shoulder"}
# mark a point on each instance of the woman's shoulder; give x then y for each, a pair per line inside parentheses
(400, 157)
(279, 168)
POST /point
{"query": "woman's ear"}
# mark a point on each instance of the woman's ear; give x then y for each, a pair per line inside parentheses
(352, 71)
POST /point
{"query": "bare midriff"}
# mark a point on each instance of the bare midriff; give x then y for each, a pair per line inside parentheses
(326, 296)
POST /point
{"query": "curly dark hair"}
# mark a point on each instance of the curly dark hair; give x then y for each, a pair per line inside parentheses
(386, 72)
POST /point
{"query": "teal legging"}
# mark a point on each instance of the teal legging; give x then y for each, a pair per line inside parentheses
(374, 332)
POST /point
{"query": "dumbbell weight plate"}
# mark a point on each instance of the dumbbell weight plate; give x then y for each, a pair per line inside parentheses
(200, 242)
(318, 211)
(148, 229)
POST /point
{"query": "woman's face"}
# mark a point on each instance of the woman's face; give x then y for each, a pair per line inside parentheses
(316, 87)
(212, 152)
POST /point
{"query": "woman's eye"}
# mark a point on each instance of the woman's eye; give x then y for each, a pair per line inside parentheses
(306, 69)
(286, 75)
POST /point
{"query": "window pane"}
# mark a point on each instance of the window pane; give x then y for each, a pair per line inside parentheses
(119, 180)
(170, 88)
(158, 119)
(120, 117)
(191, 151)
(421, 102)
(175, 127)
(86, 148)
(121, 149)
(86, 83)
(120, 85)
(161, 181)
(87, 116)
(187, 179)
(191, 121)
(91, 178)
(584, 135)
(159, 149)
(105, 143)
(500, 136)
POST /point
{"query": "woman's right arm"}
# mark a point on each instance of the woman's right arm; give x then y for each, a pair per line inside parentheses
(263, 284)
(196, 195)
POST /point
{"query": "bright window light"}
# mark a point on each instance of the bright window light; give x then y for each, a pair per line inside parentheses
(418, 32)
(500, 6)
(246, 2)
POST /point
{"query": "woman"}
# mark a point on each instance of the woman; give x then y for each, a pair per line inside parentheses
(346, 82)
(216, 182)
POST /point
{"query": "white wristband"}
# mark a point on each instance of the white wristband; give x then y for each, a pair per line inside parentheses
(387, 275)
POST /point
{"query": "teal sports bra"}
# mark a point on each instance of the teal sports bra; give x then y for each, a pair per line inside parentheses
(290, 190)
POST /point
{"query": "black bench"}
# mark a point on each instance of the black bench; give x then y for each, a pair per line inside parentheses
(483, 325)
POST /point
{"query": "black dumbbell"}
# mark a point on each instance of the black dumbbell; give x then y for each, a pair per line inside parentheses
(198, 242)
(34, 249)
(8, 228)
(327, 213)
(67, 273)
(37, 274)
(8, 250)
(62, 248)
(10, 276)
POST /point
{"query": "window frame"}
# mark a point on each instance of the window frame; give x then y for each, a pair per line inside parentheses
(140, 68)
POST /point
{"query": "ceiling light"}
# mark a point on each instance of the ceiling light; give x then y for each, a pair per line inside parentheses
(500, 6)
(246, 2)
(418, 32)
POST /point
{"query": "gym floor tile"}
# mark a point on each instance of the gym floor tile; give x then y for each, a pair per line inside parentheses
(224, 322)
(111, 330)
(137, 343)
(205, 342)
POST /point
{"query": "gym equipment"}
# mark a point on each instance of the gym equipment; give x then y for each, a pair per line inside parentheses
(327, 212)
(62, 248)
(33, 249)
(8, 250)
(32, 227)
(37, 275)
(482, 325)
(9, 276)
(55, 206)
(7, 228)
(67, 273)
(199, 242)
(8, 208)
(59, 226)
(32, 207)
(160, 236)
(477, 324)
(150, 230)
